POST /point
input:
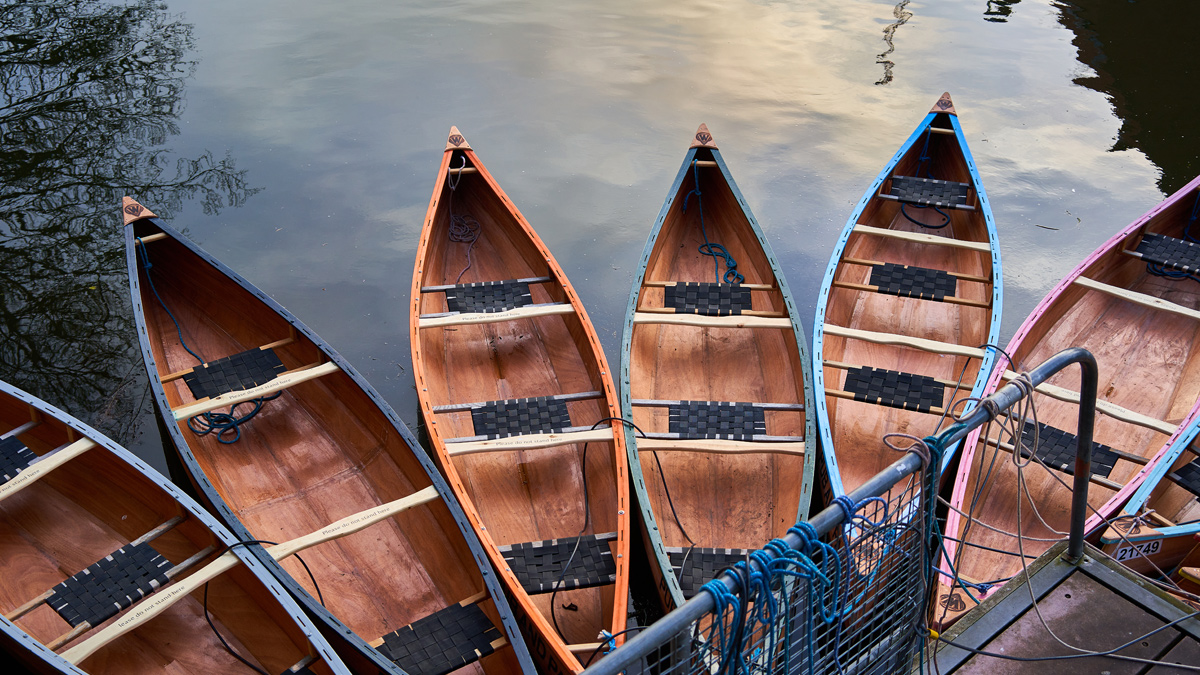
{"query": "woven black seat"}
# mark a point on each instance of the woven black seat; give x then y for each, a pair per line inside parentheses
(539, 564)
(442, 642)
(234, 373)
(712, 419)
(1188, 476)
(1169, 252)
(520, 416)
(894, 389)
(911, 281)
(488, 296)
(929, 191)
(1056, 449)
(697, 566)
(707, 298)
(14, 457)
(110, 585)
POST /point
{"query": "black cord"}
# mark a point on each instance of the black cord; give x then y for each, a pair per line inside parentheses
(606, 640)
(239, 657)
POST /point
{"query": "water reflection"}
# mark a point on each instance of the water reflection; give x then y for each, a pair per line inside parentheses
(902, 16)
(1143, 57)
(89, 94)
(998, 11)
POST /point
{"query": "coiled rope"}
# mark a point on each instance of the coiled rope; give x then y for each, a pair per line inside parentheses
(717, 251)
(464, 229)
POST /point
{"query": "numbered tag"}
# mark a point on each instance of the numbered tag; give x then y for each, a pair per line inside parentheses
(1145, 548)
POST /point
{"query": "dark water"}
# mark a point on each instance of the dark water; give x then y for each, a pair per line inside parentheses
(298, 142)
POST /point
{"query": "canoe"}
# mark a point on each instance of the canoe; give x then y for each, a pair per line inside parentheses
(518, 401)
(714, 377)
(323, 447)
(1142, 329)
(908, 305)
(1155, 529)
(87, 529)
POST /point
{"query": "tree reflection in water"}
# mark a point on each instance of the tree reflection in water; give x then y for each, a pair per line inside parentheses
(90, 94)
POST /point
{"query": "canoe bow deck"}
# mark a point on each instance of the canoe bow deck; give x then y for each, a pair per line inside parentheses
(327, 446)
(517, 398)
(1142, 328)
(714, 373)
(74, 500)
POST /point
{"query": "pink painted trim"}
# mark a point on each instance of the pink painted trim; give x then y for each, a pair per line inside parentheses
(953, 519)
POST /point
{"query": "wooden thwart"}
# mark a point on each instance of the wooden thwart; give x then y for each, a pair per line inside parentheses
(462, 407)
(447, 287)
(44, 465)
(17, 431)
(703, 321)
(283, 381)
(1111, 409)
(169, 595)
(744, 312)
(905, 341)
(1137, 298)
(749, 287)
(472, 318)
(655, 403)
(720, 446)
(152, 237)
(530, 441)
(922, 238)
(954, 300)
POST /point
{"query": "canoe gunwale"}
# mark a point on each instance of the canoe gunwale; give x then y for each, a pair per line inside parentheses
(598, 370)
(670, 593)
(210, 494)
(932, 120)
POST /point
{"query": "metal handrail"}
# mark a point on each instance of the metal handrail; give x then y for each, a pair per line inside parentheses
(691, 611)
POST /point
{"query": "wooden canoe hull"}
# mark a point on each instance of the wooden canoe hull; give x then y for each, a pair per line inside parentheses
(328, 447)
(1142, 329)
(714, 494)
(58, 521)
(538, 486)
(855, 326)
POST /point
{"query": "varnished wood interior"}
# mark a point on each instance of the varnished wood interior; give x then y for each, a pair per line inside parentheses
(96, 503)
(1149, 362)
(520, 495)
(722, 500)
(857, 428)
(321, 451)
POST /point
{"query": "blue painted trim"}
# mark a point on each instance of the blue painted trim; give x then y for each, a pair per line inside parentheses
(1159, 472)
(833, 472)
(210, 494)
(194, 510)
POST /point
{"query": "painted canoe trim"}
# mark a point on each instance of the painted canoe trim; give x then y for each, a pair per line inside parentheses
(345, 637)
(993, 333)
(667, 585)
(55, 662)
(1144, 481)
(551, 653)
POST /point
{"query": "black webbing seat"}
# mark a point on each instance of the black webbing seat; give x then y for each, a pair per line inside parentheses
(488, 296)
(929, 192)
(1169, 252)
(14, 457)
(1188, 476)
(695, 567)
(234, 373)
(911, 281)
(715, 419)
(520, 416)
(110, 585)
(706, 298)
(1056, 449)
(539, 564)
(894, 389)
(443, 641)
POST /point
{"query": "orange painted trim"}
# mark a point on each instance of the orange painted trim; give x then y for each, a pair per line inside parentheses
(523, 603)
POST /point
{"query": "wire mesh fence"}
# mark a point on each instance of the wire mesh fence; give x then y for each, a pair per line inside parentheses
(846, 595)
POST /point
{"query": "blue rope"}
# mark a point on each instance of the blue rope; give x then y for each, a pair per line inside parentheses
(208, 422)
(732, 276)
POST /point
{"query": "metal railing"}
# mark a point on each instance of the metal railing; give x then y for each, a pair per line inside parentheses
(848, 591)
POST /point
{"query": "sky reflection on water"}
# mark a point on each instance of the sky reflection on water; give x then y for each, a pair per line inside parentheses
(338, 112)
